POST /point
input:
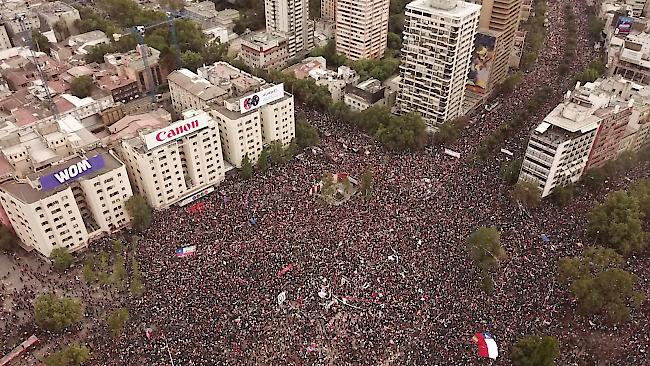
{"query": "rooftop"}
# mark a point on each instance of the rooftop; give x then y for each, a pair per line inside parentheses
(196, 85)
(450, 8)
(129, 126)
(230, 78)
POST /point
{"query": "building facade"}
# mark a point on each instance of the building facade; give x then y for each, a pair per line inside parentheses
(65, 190)
(190, 91)
(362, 28)
(5, 41)
(436, 52)
(502, 18)
(265, 51)
(291, 19)
(328, 10)
(368, 94)
(174, 163)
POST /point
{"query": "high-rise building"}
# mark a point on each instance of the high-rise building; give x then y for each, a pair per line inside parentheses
(438, 43)
(362, 28)
(328, 10)
(498, 25)
(291, 18)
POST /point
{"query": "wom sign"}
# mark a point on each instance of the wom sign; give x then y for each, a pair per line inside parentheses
(72, 172)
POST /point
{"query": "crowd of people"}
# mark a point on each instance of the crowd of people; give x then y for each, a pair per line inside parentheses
(383, 281)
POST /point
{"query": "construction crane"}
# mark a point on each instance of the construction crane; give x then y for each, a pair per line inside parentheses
(42, 75)
(139, 32)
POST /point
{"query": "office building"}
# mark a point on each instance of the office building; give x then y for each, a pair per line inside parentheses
(436, 52)
(291, 19)
(265, 51)
(362, 28)
(175, 163)
(66, 189)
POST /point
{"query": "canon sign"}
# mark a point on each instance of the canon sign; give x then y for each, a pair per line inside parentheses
(176, 130)
(261, 98)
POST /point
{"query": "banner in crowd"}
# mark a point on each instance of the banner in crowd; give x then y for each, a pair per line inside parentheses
(185, 251)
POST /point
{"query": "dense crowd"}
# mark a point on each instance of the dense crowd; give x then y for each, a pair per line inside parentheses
(386, 281)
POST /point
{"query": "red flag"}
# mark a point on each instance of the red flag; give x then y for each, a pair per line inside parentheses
(284, 270)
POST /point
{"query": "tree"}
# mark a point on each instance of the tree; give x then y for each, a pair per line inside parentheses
(72, 355)
(617, 223)
(347, 186)
(136, 286)
(450, 131)
(277, 152)
(510, 170)
(263, 160)
(366, 184)
(116, 321)
(89, 270)
(56, 313)
(527, 193)
(61, 259)
(191, 60)
(291, 150)
(485, 248)
(246, 170)
(641, 193)
(329, 186)
(535, 351)
(8, 239)
(306, 134)
(487, 283)
(140, 212)
(394, 41)
(41, 43)
(509, 84)
(599, 286)
(562, 195)
(119, 272)
(102, 270)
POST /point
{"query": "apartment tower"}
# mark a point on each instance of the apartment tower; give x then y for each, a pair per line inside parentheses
(438, 44)
(362, 28)
(499, 18)
(328, 10)
(291, 19)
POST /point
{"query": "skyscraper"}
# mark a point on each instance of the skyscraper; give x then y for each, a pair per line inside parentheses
(498, 24)
(438, 43)
(362, 28)
(291, 19)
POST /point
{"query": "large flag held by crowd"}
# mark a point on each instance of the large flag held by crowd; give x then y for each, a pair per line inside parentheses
(487, 347)
(185, 251)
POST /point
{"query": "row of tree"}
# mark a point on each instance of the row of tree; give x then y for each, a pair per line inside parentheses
(273, 154)
(508, 129)
(571, 40)
(536, 34)
(380, 69)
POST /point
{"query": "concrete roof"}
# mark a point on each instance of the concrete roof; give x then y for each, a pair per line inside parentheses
(196, 85)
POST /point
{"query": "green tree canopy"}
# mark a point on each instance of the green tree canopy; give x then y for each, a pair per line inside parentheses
(41, 43)
(641, 193)
(527, 193)
(562, 195)
(246, 170)
(306, 134)
(8, 239)
(277, 152)
(191, 60)
(265, 157)
(56, 313)
(510, 170)
(366, 184)
(117, 320)
(72, 355)
(535, 351)
(329, 186)
(617, 223)
(485, 248)
(61, 259)
(81, 86)
(599, 286)
(450, 131)
(140, 212)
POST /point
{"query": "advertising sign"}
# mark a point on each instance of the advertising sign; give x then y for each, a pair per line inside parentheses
(196, 196)
(624, 25)
(72, 172)
(176, 130)
(261, 98)
(481, 65)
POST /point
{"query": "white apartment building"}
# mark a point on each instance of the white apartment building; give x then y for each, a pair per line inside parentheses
(637, 6)
(362, 28)
(265, 51)
(65, 190)
(291, 19)
(175, 163)
(190, 91)
(5, 42)
(558, 149)
(436, 52)
(254, 115)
